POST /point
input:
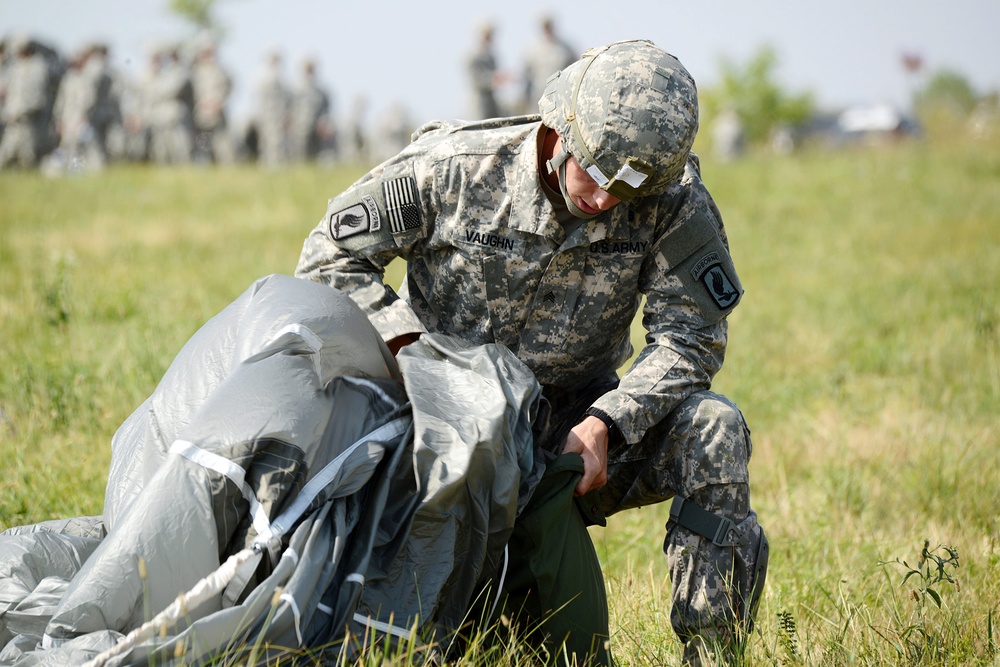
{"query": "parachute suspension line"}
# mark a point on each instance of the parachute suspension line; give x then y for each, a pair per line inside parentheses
(381, 626)
(503, 578)
(204, 590)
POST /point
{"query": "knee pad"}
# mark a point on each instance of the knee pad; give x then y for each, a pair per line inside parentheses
(715, 442)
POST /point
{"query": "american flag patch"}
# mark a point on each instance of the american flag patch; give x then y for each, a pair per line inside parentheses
(400, 204)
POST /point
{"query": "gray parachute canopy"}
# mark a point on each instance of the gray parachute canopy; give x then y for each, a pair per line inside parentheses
(291, 484)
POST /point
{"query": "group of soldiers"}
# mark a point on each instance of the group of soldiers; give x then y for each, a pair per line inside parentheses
(547, 55)
(78, 112)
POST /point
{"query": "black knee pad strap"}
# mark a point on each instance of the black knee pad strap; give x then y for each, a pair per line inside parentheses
(721, 530)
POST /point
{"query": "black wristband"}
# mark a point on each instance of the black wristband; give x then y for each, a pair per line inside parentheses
(614, 434)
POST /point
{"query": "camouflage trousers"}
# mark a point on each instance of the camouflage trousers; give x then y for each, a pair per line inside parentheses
(700, 452)
(24, 141)
(171, 143)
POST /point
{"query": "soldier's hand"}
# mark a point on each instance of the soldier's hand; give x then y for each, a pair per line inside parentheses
(589, 439)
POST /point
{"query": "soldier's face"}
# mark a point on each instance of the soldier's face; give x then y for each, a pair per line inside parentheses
(585, 192)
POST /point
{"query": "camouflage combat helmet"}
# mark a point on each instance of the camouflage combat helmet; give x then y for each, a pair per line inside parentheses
(628, 113)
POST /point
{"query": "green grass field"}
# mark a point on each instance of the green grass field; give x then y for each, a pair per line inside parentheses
(866, 356)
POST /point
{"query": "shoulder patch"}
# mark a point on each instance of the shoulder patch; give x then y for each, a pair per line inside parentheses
(362, 217)
(712, 274)
(401, 204)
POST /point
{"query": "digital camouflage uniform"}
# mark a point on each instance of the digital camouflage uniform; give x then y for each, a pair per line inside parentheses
(170, 102)
(106, 114)
(488, 261)
(25, 109)
(309, 116)
(211, 87)
(481, 66)
(72, 105)
(549, 54)
(273, 99)
(86, 109)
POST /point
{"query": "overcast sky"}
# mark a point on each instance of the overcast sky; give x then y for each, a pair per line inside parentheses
(397, 51)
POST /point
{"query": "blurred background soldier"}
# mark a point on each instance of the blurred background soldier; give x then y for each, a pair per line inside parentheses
(87, 113)
(355, 144)
(392, 133)
(272, 112)
(728, 137)
(548, 55)
(134, 140)
(311, 128)
(70, 114)
(26, 107)
(170, 105)
(105, 113)
(211, 86)
(5, 58)
(484, 76)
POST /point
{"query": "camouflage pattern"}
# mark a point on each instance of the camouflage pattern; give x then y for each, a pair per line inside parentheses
(71, 112)
(105, 114)
(273, 100)
(481, 66)
(628, 112)
(86, 109)
(488, 261)
(25, 107)
(211, 87)
(702, 452)
(548, 55)
(310, 123)
(169, 102)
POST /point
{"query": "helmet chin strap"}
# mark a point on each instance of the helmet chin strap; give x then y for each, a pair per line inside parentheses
(557, 165)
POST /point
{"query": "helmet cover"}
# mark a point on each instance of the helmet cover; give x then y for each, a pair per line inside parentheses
(628, 113)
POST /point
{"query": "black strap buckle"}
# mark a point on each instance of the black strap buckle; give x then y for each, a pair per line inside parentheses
(721, 530)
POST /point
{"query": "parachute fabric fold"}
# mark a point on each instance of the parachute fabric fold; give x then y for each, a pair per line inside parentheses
(282, 427)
